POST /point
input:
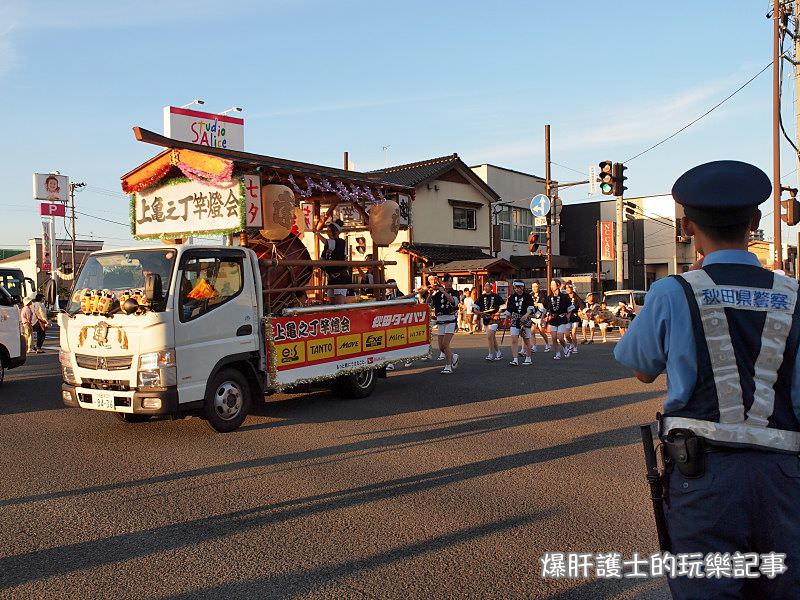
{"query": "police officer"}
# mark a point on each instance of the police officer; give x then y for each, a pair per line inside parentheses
(731, 422)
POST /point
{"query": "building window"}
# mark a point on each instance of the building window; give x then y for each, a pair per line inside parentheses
(463, 218)
(517, 224)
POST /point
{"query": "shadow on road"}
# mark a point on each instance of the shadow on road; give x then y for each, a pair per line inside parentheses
(23, 390)
(552, 412)
(300, 582)
(50, 562)
(465, 386)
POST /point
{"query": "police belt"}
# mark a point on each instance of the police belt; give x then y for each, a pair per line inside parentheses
(734, 434)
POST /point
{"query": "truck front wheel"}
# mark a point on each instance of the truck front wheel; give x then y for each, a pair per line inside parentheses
(356, 385)
(228, 401)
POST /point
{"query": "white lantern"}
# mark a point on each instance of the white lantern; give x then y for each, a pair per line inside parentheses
(384, 222)
(277, 206)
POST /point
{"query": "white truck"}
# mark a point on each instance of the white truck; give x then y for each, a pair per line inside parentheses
(180, 329)
(12, 343)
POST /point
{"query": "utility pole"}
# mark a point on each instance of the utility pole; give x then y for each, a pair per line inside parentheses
(797, 97)
(547, 187)
(776, 151)
(72, 187)
(619, 274)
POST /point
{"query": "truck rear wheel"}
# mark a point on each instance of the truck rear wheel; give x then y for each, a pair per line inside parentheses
(228, 401)
(355, 385)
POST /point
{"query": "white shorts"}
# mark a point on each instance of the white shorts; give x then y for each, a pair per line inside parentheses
(588, 323)
(337, 292)
(537, 322)
(602, 326)
(491, 327)
(525, 331)
(445, 328)
(561, 328)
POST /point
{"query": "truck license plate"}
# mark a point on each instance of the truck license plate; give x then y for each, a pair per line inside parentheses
(104, 401)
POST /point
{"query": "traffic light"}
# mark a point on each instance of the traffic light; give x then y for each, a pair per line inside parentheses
(791, 216)
(630, 210)
(606, 177)
(618, 177)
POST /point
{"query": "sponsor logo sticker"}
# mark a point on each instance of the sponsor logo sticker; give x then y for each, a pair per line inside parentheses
(348, 344)
(374, 340)
(290, 354)
(396, 337)
(321, 348)
(418, 334)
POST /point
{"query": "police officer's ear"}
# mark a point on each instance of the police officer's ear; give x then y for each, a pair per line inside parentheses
(688, 226)
(755, 220)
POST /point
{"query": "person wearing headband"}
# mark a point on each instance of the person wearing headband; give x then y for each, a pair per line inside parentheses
(520, 307)
(335, 249)
(444, 300)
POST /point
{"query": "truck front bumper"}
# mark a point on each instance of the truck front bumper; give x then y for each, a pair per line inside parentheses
(130, 402)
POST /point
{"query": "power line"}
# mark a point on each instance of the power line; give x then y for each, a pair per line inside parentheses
(102, 219)
(569, 168)
(708, 112)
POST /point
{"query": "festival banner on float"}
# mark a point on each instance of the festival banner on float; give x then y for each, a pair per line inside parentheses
(315, 346)
(184, 207)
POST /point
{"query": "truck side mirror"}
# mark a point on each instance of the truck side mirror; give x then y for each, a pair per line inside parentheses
(152, 288)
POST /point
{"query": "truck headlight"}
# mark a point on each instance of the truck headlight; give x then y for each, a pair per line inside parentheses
(65, 358)
(69, 375)
(157, 360)
(158, 378)
(150, 378)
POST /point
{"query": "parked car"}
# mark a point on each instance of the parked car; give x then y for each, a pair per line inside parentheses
(12, 344)
(633, 298)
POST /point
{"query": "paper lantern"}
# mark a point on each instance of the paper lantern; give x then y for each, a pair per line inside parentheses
(384, 222)
(277, 206)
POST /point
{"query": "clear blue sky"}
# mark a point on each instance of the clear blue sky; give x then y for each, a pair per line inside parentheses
(427, 78)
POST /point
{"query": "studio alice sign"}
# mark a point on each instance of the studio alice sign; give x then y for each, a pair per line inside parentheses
(202, 128)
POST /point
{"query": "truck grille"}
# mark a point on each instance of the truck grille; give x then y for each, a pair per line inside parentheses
(107, 363)
(105, 384)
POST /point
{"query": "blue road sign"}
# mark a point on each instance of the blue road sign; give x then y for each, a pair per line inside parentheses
(540, 205)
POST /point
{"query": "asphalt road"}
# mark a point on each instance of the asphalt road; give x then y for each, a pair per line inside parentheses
(435, 487)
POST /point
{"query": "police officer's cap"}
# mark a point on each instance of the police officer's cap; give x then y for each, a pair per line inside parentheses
(721, 193)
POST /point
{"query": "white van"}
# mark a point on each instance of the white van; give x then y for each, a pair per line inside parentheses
(633, 298)
(12, 344)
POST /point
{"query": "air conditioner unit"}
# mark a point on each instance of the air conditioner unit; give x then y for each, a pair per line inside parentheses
(684, 239)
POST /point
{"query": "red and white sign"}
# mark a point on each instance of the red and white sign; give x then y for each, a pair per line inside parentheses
(205, 129)
(307, 209)
(52, 210)
(607, 240)
(316, 346)
(252, 195)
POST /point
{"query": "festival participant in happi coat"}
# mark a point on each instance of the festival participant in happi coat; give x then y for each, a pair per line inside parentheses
(487, 308)
(587, 319)
(541, 315)
(519, 307)
(559, 318)
(444, 300)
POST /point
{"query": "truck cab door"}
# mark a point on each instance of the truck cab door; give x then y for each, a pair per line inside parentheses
(215, 319)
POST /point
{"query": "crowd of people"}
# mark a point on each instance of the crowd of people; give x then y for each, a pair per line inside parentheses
(555, 317)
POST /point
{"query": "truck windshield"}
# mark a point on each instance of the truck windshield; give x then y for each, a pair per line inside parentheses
(125, 271)
(13, 281)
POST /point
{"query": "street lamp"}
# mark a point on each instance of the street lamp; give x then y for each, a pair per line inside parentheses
(193, 102)
(231, 109)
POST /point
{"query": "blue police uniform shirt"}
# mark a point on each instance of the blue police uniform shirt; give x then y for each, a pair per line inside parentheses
(663, 329)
